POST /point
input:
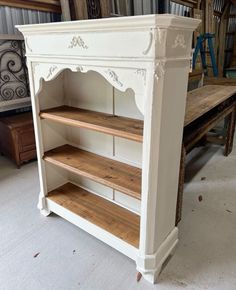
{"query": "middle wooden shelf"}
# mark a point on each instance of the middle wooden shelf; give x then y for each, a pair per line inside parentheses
(124, 127)
(117, 175)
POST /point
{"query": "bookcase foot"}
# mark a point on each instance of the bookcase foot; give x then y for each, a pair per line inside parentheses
(42, 206)
(150, 266)
(45, 212)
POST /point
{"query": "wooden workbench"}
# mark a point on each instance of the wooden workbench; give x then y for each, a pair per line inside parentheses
(205, 108)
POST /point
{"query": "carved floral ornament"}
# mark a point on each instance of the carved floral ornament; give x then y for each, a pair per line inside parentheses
(179, 41)
(51, 71)
(77, 41)
(114, 77)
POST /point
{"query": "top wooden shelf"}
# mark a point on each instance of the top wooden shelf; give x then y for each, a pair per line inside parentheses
(128, 128)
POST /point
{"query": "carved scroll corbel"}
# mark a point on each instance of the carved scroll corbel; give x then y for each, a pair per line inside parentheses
(161, 35)
(142, 73)
(160, 69)
(145, 52)
(43, 73)
(27, 45)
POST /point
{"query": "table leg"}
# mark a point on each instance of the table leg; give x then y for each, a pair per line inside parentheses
(230, 132)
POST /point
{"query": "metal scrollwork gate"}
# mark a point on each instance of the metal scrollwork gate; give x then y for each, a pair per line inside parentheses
(13, 71)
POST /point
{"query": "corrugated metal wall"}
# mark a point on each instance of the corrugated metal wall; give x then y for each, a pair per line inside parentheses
(179, 9)
(140, 7)
(9, 17)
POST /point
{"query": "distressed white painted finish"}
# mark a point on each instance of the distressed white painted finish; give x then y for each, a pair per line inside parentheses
(134, 66)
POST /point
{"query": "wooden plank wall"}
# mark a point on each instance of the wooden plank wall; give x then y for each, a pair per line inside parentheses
(81, 10)
(41, 5)
(204, 9)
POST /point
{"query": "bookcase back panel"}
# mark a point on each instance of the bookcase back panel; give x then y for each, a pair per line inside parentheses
(55, 176)
(53, 135)
(92, 186)
(107, 192)
(51, 94)
(92, 141)
(128, 151)
(127, 201)
(124, 104)
(88, 91)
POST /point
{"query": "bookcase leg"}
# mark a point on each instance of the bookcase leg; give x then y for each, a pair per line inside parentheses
(42, 206)
(161, 162)
(151, 265)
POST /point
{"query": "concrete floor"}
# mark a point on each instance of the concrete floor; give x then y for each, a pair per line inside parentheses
(39, 253)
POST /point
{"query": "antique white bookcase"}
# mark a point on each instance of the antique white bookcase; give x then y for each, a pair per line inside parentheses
(108, 100)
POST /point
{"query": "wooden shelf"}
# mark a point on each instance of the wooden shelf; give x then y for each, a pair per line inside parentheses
(110, 124)
(110, 217)
(114, 174)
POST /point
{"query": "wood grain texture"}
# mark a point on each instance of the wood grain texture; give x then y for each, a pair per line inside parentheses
(222, 34)
(219, 81)
(65, 7)
(195, 133)
(18, 121)
(17, 139)
(196, 74)
(110, 124)
(204, 99)
(117, 175)
(41, 5)
(81, 11)
(105, 8)
(116, 220)
(230, 132)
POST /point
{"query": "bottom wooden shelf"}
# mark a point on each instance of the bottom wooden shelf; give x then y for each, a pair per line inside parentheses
(96, 210)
